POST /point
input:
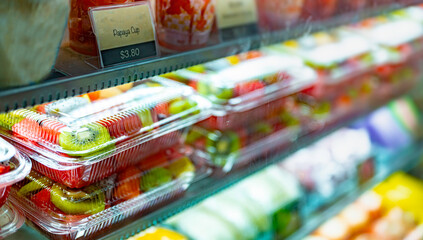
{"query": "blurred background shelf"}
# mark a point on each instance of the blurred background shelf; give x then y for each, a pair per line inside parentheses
(75, 74)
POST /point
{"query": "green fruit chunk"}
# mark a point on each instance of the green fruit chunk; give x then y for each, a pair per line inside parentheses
(35, 185)
(223, 93)
(223, 146)
(146, 117)
(182, 105)
(287, 119)
(87, 137)
(88, 201)
(263, 127)
(155, 178)
(202, 88)
(181, 167)
(7, 120)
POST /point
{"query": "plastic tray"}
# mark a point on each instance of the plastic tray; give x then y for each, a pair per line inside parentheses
(13, 168)
(165, 107)
(339, 57)
(235, 148)
(245, 92)
(10, 220)
(54, 208)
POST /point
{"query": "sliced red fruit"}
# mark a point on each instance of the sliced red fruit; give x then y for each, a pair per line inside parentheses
(4, 169)
(122, 124)
(94, 95)
(41, 108)
(248, 87)
(193, 84)
(51, 130)
(28, 129)
(128, 184)
(162, 109)
(42, 199)
(156, 160)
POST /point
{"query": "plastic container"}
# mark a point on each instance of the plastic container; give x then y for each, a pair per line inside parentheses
(81, 35)
(65, 213)
(315, 10)
(248, 91)
(184, 25)
(341, 58)
(279, 14)
(10, 220)
(235, 148)
(77, 142)
(13, 168)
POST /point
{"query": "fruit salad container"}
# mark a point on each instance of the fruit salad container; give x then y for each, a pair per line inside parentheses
(315, 10)
(10, 220)
(65, 213)
(340, 57)
(248, 91)
(184, 25)
(277, 14)
(77, 141)
(13, 168)
(228, 149)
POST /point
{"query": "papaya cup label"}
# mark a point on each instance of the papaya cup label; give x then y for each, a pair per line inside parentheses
(236, 18)
(124, 33)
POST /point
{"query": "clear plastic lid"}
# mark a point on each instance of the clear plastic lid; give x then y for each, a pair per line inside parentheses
(82, 130)
(81, 212)
(13, 166)
(326, 50)
(226, 149)
(10, 220)
(249, 83)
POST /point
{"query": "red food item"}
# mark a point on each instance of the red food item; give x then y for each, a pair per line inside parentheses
(248, 87)
(129, 186)
(162, 109)
(319, 9)
(156, 160)
(184, 24)
(4, 169)
(81, 36)
(28, 129)
(278, 14)
(42, 199)
(94, 95)
(122, 124)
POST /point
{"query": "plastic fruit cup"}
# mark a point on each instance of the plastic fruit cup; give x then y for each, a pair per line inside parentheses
(279, 14)
(81, 35)
(184, 24)
(319, 9)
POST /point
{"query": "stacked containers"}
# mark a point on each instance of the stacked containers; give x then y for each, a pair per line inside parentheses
(254, 101)
(65, 213)
(13, 168)
(398, 40)
(78, 142)
(78, 146)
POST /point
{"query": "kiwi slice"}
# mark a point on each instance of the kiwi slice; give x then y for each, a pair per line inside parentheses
(181, 105)
(220, 146)
(8, 120)
(87, 137)
(34, 185)
(89, 200)
(155, 178)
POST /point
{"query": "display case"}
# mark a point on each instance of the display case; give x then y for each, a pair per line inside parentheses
(185, 112)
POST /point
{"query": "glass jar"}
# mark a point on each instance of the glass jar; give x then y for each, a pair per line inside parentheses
(184, 24)
(81, 36)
